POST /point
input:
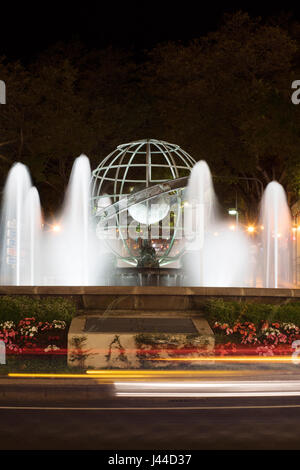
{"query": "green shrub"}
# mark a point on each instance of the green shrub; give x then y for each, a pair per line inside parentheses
(289, 313)
(255, 313)
(16, 308)
(225, 312)
(232, 312)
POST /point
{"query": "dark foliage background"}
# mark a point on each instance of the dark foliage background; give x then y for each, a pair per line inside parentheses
(223, 95)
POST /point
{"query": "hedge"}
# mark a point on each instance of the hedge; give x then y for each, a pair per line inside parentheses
(231, 312)
(16, 308)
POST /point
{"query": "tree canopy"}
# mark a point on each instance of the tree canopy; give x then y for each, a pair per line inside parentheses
(224, 98)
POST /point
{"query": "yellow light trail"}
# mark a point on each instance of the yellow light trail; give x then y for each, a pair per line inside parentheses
(112, 374)
(164, 373)
(58, 376)
(283, 359)
(134, 374)
(119, 374)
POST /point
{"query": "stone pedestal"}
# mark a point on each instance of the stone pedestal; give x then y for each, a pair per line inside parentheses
(127, 342)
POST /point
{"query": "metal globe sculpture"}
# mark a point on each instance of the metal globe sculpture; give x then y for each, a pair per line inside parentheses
(138, 194)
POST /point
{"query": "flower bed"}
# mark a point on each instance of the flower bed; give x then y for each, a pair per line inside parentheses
(29, 336)
(219, 310)
(266, 339)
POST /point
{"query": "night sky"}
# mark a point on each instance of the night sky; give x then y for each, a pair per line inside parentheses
(26, 30)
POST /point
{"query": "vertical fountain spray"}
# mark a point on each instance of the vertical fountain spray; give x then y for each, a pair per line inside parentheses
(77, 217)
(199, 216)
(32, 238)
(74, 243)
(201, 199)
(276, 237)
(217, 256)
(12, 224)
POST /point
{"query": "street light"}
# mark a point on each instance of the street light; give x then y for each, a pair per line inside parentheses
(235, 212)
(56, 228)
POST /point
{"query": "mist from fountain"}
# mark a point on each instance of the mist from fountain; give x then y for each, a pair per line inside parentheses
(276, 240)
(32, 237)
(200, 215)
(216, 256)
(12, 235)
(65, 253)
(73, 250)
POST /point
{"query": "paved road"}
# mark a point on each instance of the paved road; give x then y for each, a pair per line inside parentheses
(117, 423)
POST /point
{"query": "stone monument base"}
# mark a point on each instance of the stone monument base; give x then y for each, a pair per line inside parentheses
(137, 341)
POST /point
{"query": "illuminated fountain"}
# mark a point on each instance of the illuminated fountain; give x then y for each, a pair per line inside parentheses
(14, 256)
(147, 208)
(66, 252)
(276, 237)
(70, 256)
(32, 234)
(71, 253)
(215, 256)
